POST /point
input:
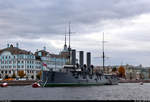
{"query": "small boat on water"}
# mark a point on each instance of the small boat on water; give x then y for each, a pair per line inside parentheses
(4, 84)
(35, 85)
(141, 83)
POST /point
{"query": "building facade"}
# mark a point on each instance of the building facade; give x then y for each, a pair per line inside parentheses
(22, 63)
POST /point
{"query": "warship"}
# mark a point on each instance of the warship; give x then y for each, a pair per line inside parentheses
(75, 74)
(72, 77)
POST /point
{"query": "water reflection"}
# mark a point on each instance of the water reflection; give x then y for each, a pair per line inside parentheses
(123, 91)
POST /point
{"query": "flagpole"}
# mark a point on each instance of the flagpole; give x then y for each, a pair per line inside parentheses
(42, 72)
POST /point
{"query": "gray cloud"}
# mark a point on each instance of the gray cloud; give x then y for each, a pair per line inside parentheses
(30, 21)
(36, 18)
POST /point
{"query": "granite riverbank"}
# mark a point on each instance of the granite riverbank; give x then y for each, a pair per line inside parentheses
(18, 82)
(30, 82)
(134, 81)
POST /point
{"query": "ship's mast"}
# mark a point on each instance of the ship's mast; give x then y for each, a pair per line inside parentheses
(69, 35)
(65, 46)
(65, 37)
(103, 53)
(69, 43)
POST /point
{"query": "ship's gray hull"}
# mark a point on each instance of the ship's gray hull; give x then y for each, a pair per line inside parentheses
(51, 78)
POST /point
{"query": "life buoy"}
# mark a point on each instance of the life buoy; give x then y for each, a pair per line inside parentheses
(35, 85)
(4, 84)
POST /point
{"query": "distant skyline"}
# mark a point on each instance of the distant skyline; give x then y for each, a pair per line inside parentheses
(38, 23)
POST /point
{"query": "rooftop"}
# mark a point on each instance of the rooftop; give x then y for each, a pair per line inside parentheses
(15, 50)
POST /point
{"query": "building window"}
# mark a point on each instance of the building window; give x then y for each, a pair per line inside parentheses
(22, 66)
(9, 72)
(22, 61)
(2, 72)
(18, 61)
(18, 66)
(14, 62)
(5, 72)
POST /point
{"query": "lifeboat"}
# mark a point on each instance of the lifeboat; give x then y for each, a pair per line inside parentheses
(4, 84)
(35, 85)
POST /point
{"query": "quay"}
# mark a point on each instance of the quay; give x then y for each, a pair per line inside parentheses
(30, 82)
(134, 81)
(18, 82)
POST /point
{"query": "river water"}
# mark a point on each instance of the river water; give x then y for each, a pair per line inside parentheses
(123, 91)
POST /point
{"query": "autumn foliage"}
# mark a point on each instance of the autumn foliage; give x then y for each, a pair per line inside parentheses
(121, 71)
(39, 75)
(21, 73)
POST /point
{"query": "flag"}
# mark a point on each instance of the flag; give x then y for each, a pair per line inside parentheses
(44, 64)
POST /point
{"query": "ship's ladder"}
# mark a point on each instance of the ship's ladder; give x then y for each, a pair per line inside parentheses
(45, 81)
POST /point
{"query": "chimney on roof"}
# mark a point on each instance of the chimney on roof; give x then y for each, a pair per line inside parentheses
(17, 45)
(44, 48)
(7, 45)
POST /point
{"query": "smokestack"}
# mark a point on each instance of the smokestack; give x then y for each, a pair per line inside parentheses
(88, 59)
(81, 58)
(17, 45)
(73, 57)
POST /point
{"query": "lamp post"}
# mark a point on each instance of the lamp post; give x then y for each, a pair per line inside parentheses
(17, 65)
(55, 63)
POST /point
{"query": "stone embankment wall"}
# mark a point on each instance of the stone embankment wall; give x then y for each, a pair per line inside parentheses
(18, 82)
(134, 81)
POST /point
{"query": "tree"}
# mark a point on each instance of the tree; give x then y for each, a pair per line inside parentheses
(121, 71)
(114, 69)
(141, 76)
(32, 76)
(6, 77)
(14, 75)
(38, 76)
(67, 63)
(21, 73)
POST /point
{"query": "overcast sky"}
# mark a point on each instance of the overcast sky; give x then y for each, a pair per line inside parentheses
(38, 23)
